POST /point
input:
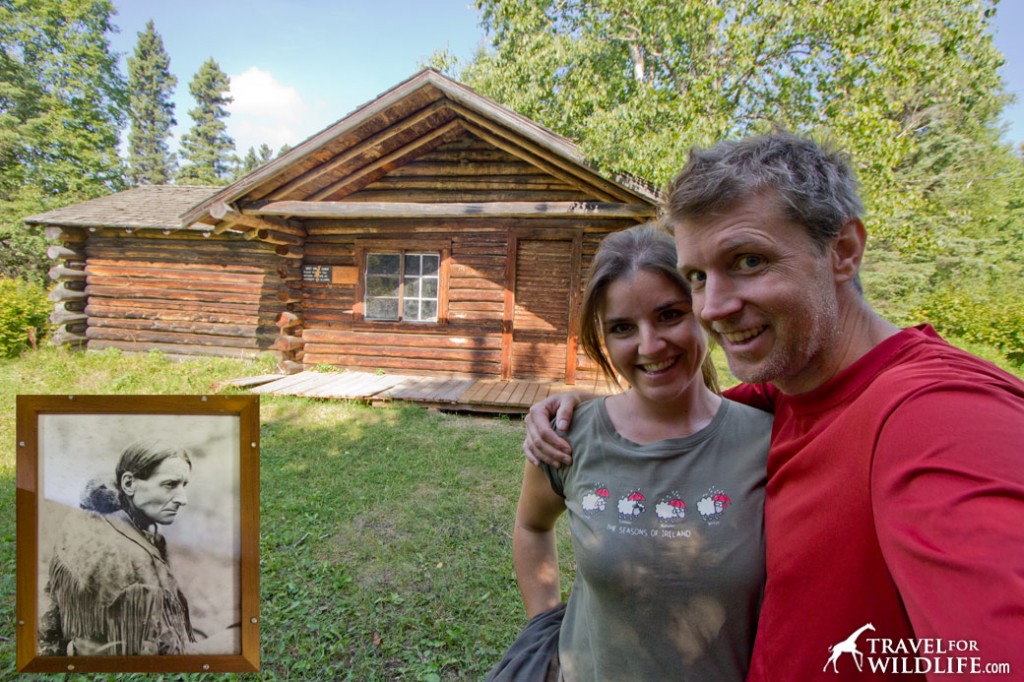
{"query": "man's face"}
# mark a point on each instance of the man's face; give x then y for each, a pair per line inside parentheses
(162, 495)
(765, 292)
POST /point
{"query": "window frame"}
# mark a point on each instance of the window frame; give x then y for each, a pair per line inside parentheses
(365, 248)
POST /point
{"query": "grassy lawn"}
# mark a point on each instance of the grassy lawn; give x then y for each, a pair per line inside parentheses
(385, 533)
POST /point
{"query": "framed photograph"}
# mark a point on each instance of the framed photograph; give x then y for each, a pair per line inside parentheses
(138, 533)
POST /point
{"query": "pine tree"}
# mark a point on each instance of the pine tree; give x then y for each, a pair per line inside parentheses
(208, 152)
(254, 159)
(150, 85)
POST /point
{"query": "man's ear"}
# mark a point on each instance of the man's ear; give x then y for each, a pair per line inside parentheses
(128, 483)
(847, 250)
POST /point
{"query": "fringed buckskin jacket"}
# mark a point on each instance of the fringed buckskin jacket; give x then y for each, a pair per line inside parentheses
(112, 592)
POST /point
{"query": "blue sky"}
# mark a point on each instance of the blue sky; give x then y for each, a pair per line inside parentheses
(297, 66)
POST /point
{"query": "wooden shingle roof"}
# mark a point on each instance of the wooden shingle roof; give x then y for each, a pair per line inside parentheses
(152, 206)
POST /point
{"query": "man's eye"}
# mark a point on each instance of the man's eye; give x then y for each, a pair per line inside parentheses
(696, 277)
(750, 262)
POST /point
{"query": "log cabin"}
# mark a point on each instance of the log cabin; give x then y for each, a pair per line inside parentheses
(430, 231)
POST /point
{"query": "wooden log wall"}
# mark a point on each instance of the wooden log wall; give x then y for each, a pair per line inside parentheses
(69, 296)
(483, 318)
(470, 343)
(184, 293)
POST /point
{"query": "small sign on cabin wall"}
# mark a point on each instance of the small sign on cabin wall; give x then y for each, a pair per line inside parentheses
(316, 273)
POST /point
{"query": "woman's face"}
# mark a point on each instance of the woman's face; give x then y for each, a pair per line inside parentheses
(162, 495)
(653, 338)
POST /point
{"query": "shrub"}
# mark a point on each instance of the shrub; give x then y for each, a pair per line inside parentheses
(24, 315)
(996, 319)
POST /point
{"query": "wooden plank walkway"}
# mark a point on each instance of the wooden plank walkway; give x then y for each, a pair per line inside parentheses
(470, 395)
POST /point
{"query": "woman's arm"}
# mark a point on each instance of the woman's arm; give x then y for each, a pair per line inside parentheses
(534, 553)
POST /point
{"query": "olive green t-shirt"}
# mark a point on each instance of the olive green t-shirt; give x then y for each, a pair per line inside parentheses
(668, 540)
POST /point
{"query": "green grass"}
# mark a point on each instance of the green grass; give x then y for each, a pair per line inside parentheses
(385, 534)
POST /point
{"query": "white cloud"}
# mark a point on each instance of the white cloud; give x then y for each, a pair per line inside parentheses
(258, 93)
(265, 111)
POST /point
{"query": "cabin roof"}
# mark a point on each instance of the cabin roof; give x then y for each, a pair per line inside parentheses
(392, 129)
(397, 127)
(150, 206)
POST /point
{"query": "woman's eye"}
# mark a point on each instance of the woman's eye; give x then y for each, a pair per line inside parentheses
(672, 314)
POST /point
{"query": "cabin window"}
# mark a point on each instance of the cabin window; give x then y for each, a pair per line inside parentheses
(402, 286)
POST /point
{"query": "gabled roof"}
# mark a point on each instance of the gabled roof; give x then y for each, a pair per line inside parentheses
(405, 122)
(152, 206)
(411, 120)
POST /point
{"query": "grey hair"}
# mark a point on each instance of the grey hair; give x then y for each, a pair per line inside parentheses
(643, 247)
(815, 184)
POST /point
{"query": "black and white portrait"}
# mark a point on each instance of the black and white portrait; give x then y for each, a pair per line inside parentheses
(139, 535)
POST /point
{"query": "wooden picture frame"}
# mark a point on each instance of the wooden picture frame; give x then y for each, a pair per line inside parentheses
(182, 599)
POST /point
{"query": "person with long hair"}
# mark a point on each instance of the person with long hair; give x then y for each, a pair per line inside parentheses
(664, 497)
(110, 587)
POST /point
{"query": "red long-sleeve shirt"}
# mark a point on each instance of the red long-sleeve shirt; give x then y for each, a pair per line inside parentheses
(895, 499)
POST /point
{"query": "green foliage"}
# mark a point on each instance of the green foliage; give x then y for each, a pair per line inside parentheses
(638, 82)
(24, 316)
(151, 85)
(995, 320)
(62, 102)
(909, 87)
(254, 159)
(206, 149)
(23, 253)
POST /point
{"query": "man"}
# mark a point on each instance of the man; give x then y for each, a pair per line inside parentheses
(894, 510)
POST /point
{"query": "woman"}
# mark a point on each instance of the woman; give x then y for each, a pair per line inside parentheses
(664, 496)
(110, 586)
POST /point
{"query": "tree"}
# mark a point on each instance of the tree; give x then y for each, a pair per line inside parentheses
(254, 159)
(638, 82)
(150, 87)
(909, 87)
(62, 103)
(208, 152)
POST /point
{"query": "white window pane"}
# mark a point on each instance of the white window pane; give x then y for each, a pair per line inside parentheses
(429, 288)
(431, 263)
(428, 311)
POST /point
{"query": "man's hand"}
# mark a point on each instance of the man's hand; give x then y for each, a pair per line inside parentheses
(542, 444)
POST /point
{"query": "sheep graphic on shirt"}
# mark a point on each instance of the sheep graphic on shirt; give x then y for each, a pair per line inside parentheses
(671, 508)
(632, 505)
(595, 501)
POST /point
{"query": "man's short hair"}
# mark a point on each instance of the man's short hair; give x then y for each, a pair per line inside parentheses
(815, 185)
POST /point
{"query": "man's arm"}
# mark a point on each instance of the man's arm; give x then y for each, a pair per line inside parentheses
(534, 552)
(542, 444)
(948, 497)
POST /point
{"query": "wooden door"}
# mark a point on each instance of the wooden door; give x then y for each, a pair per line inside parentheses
(544, 277)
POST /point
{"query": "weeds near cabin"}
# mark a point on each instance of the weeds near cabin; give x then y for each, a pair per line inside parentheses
(385, 533)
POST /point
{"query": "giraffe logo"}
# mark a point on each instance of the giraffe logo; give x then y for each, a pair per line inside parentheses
(848, 646)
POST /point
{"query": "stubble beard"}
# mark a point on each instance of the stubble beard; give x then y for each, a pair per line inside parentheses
(797, 352)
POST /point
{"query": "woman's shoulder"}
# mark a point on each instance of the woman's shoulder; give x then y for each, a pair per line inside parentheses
(739, 413)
